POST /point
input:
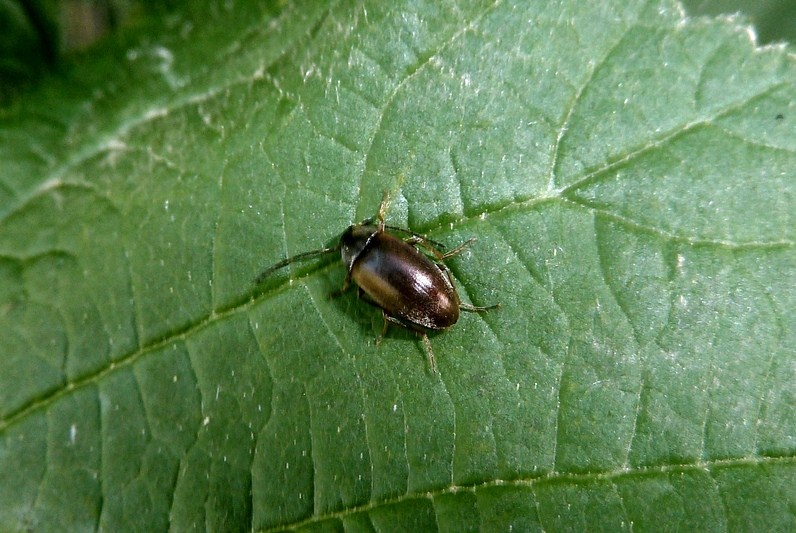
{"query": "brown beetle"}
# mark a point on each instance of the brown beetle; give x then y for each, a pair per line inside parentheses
(410, 288)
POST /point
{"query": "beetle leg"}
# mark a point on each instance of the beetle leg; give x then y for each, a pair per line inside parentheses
(432, 363)
(426, 342)
(365, 297)
(346, 281)
(447, 271)
(383, 206)
(459, 249)
(464, 306)
(427, 245)
(341, 290)
(477, 308)
(440, 256)
(385, 317)
(416, 237)
(429, 353)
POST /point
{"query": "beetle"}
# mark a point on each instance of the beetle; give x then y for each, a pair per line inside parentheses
(414, 290)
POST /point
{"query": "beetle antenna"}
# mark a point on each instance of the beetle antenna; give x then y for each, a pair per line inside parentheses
(284, 262)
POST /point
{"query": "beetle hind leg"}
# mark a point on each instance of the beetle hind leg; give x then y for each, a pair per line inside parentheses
(429, 353)
(432, 362)
(477, 308)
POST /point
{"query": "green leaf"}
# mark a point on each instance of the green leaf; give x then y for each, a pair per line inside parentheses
(773, 20)
(629, 175)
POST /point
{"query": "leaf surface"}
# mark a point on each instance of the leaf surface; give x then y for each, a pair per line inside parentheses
(628, 174)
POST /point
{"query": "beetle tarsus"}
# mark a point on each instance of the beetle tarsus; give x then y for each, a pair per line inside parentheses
(477, 308)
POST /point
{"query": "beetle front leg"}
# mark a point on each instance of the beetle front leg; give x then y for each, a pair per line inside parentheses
(346, 284)
(384, 327)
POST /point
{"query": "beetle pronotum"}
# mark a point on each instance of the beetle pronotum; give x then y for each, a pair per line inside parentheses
(410, 288)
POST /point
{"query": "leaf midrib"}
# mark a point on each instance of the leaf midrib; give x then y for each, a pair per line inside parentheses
(531, 482)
